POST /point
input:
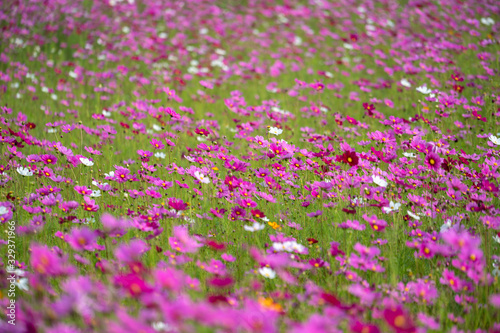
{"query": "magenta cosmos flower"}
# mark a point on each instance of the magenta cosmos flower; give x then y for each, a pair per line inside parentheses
(433, 161)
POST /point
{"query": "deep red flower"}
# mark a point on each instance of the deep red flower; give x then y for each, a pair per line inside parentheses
(312, 241)
(478, 116)
(350, 158)
(221, 282)
(349, 211)
(218, 299)
(201, 131)
(457, 77)
(458, 88)
(216, 246)
(368, 107)
(258, 213)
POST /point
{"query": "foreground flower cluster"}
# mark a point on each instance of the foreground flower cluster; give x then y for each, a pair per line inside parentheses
(188, 166)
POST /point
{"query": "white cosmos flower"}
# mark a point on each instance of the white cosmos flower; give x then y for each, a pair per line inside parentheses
(416, 217)
(298, 247)
(487, 21)
(379, 181)
(445, 226)
(496, 268)
(160, 155)
(275, 130)
(201, 177)
(278, 246)
(88, 220)
(86, 161)
(424, 90)
(405, 83)
(297, 41)
(96, 183)
(267, 272)
(357, 201)
(24, 172)
(288, 246)
(256, 226)
(393, 207)
(21, 282)
(496, 239)
(3, 210)
(348, 46)
(494, 139)
(96, 194)
(161, 327)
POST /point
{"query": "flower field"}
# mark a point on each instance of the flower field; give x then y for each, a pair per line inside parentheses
(249, 166)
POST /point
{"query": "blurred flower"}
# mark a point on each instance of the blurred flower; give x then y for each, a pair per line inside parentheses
(24, 171)
(424, 90)
(416, 217)
(379, 181)
(255, 227)
(487, 21)
(267, 272)
(275, 130)
(85, 161)
(405, 83)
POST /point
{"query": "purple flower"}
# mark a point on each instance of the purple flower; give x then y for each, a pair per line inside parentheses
(132, 252)
(495, 300)
(316, 213)
(182, 242)
(113, 227)
(45, 261)
(82, 239)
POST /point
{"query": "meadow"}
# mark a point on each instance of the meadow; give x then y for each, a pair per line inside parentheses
(249, 166)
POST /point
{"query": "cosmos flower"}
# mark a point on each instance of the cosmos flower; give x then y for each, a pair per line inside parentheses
(494, 140)
(416, 217)
(409, 155)
(397, 318)
(487, 21)
(267, 272)
(379, 181)
(275, 130)
(405, 83)
(85, 161)
(349, 157)
(160, 155)
(496, 238)
(201, 177)
(24, 172)
(433, 161)
(21, 281)
(393, 207)
(256, 226)
(424, 90)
